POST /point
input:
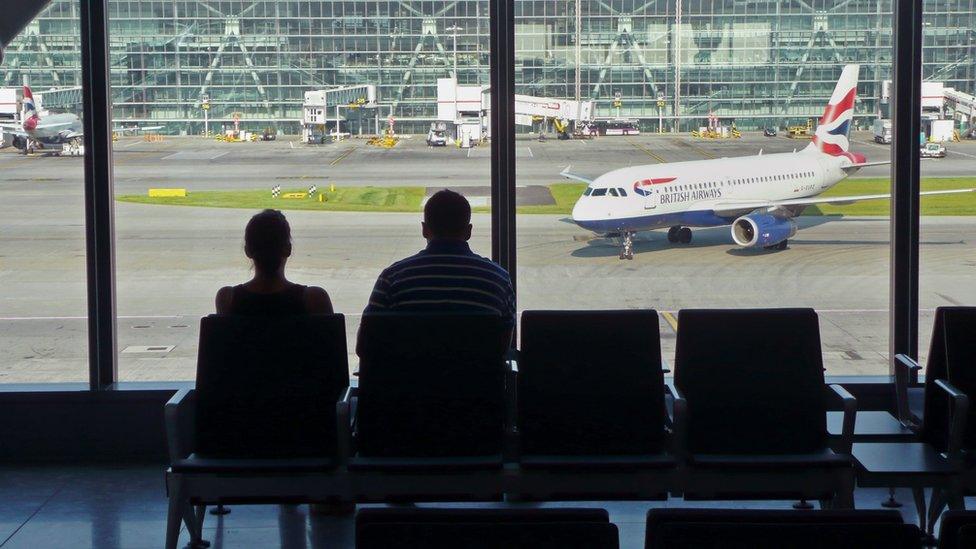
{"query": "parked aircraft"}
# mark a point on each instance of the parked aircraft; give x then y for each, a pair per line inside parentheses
(758, 196)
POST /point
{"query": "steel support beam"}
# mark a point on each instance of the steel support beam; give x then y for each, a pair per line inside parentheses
(906, 104)
(99, 194)
(502, 56)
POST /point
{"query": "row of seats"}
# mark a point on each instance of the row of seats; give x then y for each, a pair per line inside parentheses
(582, 413)
(584, 528)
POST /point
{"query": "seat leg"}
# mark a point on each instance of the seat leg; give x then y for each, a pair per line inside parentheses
(919, 495)
(844, 497)
(174, 517)
(891, 502)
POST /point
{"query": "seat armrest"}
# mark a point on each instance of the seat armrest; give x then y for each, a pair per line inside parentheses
(957, 421)
(179, 415)
(679, 425)
(344, 419)
(906, 370)
(850, 416)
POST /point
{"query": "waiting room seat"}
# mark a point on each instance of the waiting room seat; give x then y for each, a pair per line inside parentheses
(429, 418)
(260, 427)
(774, 529)
(957, 530)
(945, 431)
(591, 415)
(753, 385)
(402, 528)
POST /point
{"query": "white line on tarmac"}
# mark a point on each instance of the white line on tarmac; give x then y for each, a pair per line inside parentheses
(962, 153)
(131, 144)
(530, 152)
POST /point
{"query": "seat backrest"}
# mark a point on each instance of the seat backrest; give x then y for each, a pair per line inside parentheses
(590, 382)
(742, 528)
(267, 387)
(373, 515)
(952, 356)
(753, 380)
(431, 385)
(952, 526)
(506, 535)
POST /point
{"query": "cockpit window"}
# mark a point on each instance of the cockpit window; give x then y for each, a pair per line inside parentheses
(599, 192)
(587, 191)
(613, 192)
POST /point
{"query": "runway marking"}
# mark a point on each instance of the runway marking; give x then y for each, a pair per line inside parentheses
(700, 150)
(962, 153)
(530, 152)
(126, 146)
(647, 151)
(671, 320)
(947, 298)
(342, 156)
(873, 144)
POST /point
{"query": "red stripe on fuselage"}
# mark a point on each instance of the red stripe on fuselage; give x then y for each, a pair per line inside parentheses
(656, 181)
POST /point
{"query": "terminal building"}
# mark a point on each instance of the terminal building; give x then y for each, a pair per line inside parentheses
(662, 62)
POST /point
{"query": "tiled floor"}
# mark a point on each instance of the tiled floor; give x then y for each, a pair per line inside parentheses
(104, 508)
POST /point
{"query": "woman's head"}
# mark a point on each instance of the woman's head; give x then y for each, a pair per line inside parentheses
(267, 240)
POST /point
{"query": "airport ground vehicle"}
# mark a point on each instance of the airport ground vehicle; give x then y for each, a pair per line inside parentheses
(617, 126)
(882, 131)
(436, 138)
(933, 150)
(769, 132)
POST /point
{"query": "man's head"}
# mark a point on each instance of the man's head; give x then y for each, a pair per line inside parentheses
(447, 215)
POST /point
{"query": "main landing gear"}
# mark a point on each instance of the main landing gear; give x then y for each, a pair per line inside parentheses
(779, 246)
(678, 234)
(627, 252)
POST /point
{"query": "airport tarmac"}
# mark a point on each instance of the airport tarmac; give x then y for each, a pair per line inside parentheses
(171, 260)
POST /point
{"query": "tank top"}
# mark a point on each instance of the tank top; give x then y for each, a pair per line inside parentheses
(287, 302)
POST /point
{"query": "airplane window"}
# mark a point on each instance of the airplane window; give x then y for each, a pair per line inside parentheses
(622, 192)
(613, 192)
(587, 191)
(599, 192)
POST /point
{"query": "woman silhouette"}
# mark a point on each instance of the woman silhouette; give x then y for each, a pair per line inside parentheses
(267, 242)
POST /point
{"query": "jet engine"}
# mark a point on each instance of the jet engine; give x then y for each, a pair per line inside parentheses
(762, 230)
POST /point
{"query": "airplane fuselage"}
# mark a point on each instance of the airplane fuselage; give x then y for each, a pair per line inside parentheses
(54, 129)
(702, 193)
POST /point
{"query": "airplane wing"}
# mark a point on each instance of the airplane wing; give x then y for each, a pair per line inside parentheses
(732, 208)
(13, 130)
(855, 167)
(569, 175)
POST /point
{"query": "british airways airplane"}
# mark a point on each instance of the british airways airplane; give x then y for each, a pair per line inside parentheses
(759, 196)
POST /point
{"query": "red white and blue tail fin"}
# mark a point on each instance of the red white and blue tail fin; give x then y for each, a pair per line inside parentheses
(29, 109)
(833, 133)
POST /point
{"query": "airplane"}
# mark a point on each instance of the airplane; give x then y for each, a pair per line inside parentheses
(758, 196)
(56, 133)
(59, 133)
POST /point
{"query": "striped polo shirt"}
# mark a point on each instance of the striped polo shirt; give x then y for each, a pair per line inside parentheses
(445, 277)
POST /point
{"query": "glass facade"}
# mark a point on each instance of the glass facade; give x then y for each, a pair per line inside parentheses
(759, 62)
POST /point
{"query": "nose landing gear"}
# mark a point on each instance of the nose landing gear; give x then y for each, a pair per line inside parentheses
(627, 252)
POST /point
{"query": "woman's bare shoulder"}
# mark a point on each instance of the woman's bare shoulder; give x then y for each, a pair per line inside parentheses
(224, 299)
(317, 301)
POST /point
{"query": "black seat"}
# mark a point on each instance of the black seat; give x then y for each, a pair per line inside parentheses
(756, 407)
(264, 407)
(591, 402)
(735, 528)
(944, 431)
(431, 401)
(485, 528)
(957, 525)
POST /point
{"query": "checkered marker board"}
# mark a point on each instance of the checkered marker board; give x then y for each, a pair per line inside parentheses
(312, 190)
(275, 191)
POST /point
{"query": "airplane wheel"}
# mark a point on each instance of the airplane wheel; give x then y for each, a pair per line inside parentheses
(684, 235)
(673, 234)
(783, 245)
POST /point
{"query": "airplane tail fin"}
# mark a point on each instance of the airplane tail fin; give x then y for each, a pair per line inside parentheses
(28, 106)
(833, 132)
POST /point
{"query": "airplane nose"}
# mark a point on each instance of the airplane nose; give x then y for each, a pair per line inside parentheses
(578, 210)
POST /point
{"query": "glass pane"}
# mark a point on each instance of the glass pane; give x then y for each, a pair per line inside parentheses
(236, 104)
(705, 113)
(948, 150)
(43, 296)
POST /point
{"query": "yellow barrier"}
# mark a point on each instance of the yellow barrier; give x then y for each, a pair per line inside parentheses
(294, 195)
(167, 193)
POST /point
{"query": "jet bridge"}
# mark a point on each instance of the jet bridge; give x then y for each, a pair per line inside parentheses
(321, 107)
(963, 106)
